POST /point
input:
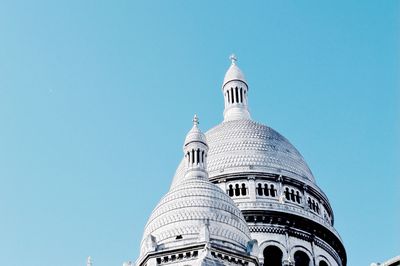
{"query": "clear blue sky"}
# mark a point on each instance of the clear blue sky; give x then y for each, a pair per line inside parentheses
(96, 98)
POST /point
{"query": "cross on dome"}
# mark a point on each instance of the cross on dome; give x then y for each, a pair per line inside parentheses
(195, 120)
(233, 59)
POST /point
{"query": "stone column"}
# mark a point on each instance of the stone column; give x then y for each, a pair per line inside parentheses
(313, 249)
(305, 204)
(288, 260)
(252, 187)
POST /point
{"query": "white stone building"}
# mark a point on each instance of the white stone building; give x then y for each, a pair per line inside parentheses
(391, 262)
(242, 195)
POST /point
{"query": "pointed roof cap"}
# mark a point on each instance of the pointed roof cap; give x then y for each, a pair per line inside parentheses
(195, 135)
(234, 72)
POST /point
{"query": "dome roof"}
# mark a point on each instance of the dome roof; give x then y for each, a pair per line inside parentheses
(233, 72)
(186, 209)
(247, 146)
(195, 134)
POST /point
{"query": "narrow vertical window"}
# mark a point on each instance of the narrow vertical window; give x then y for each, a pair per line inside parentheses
(244, 192)
(259, 190)
(232, 96)
(192, 156)
(298, 197)
(230, 191)
(241, 95)
(273, 190)
(237, 190)
(266, 192)
(229, 98)
(198, 156)
(292, 195)
(237, 94)
(287, 194)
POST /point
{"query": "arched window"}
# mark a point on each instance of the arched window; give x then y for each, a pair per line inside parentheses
(287, 194)
(230, 191)
(244, 192)
(241, 95)
(309, 203)
(259, 190)
(266, 193)
(198, 156)
(273, 191)
(292, 195)
(229, 98)
(232, 96)
(192, 156)
(272, 256)
(237, 190)
(298, 197)
(301, 259)
(323, 263)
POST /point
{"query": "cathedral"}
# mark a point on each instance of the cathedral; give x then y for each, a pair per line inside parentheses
(242, 195)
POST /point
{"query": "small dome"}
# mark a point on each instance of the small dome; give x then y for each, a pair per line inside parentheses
(234, 72)
(182, 214)
(195, 210)
(195, 134)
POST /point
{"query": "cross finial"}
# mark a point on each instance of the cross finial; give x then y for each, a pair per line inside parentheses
(195, 120)
(233, 59)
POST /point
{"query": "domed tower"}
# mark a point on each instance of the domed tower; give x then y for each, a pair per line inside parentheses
(196, 223)
(270, 182)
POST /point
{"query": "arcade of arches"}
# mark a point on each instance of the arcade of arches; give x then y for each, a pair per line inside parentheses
(273, 256)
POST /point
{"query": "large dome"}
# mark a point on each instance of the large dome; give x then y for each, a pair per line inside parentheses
(187, 208)
(247, 146)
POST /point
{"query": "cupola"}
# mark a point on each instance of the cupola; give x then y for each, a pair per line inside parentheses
(195, 150)
(196, 213)
(235, 90)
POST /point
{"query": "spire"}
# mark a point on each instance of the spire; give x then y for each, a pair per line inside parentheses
(195, 149)
(235, 91)
(195, 120)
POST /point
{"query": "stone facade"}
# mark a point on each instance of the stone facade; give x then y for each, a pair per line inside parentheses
(392, 262)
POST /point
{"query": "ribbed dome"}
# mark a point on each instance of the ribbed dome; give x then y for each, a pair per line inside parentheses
(247, 146)
(181, 214)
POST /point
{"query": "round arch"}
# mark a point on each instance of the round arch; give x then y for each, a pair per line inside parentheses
(272, 255)
(267, 244)
(322, 261)
(301, 256)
